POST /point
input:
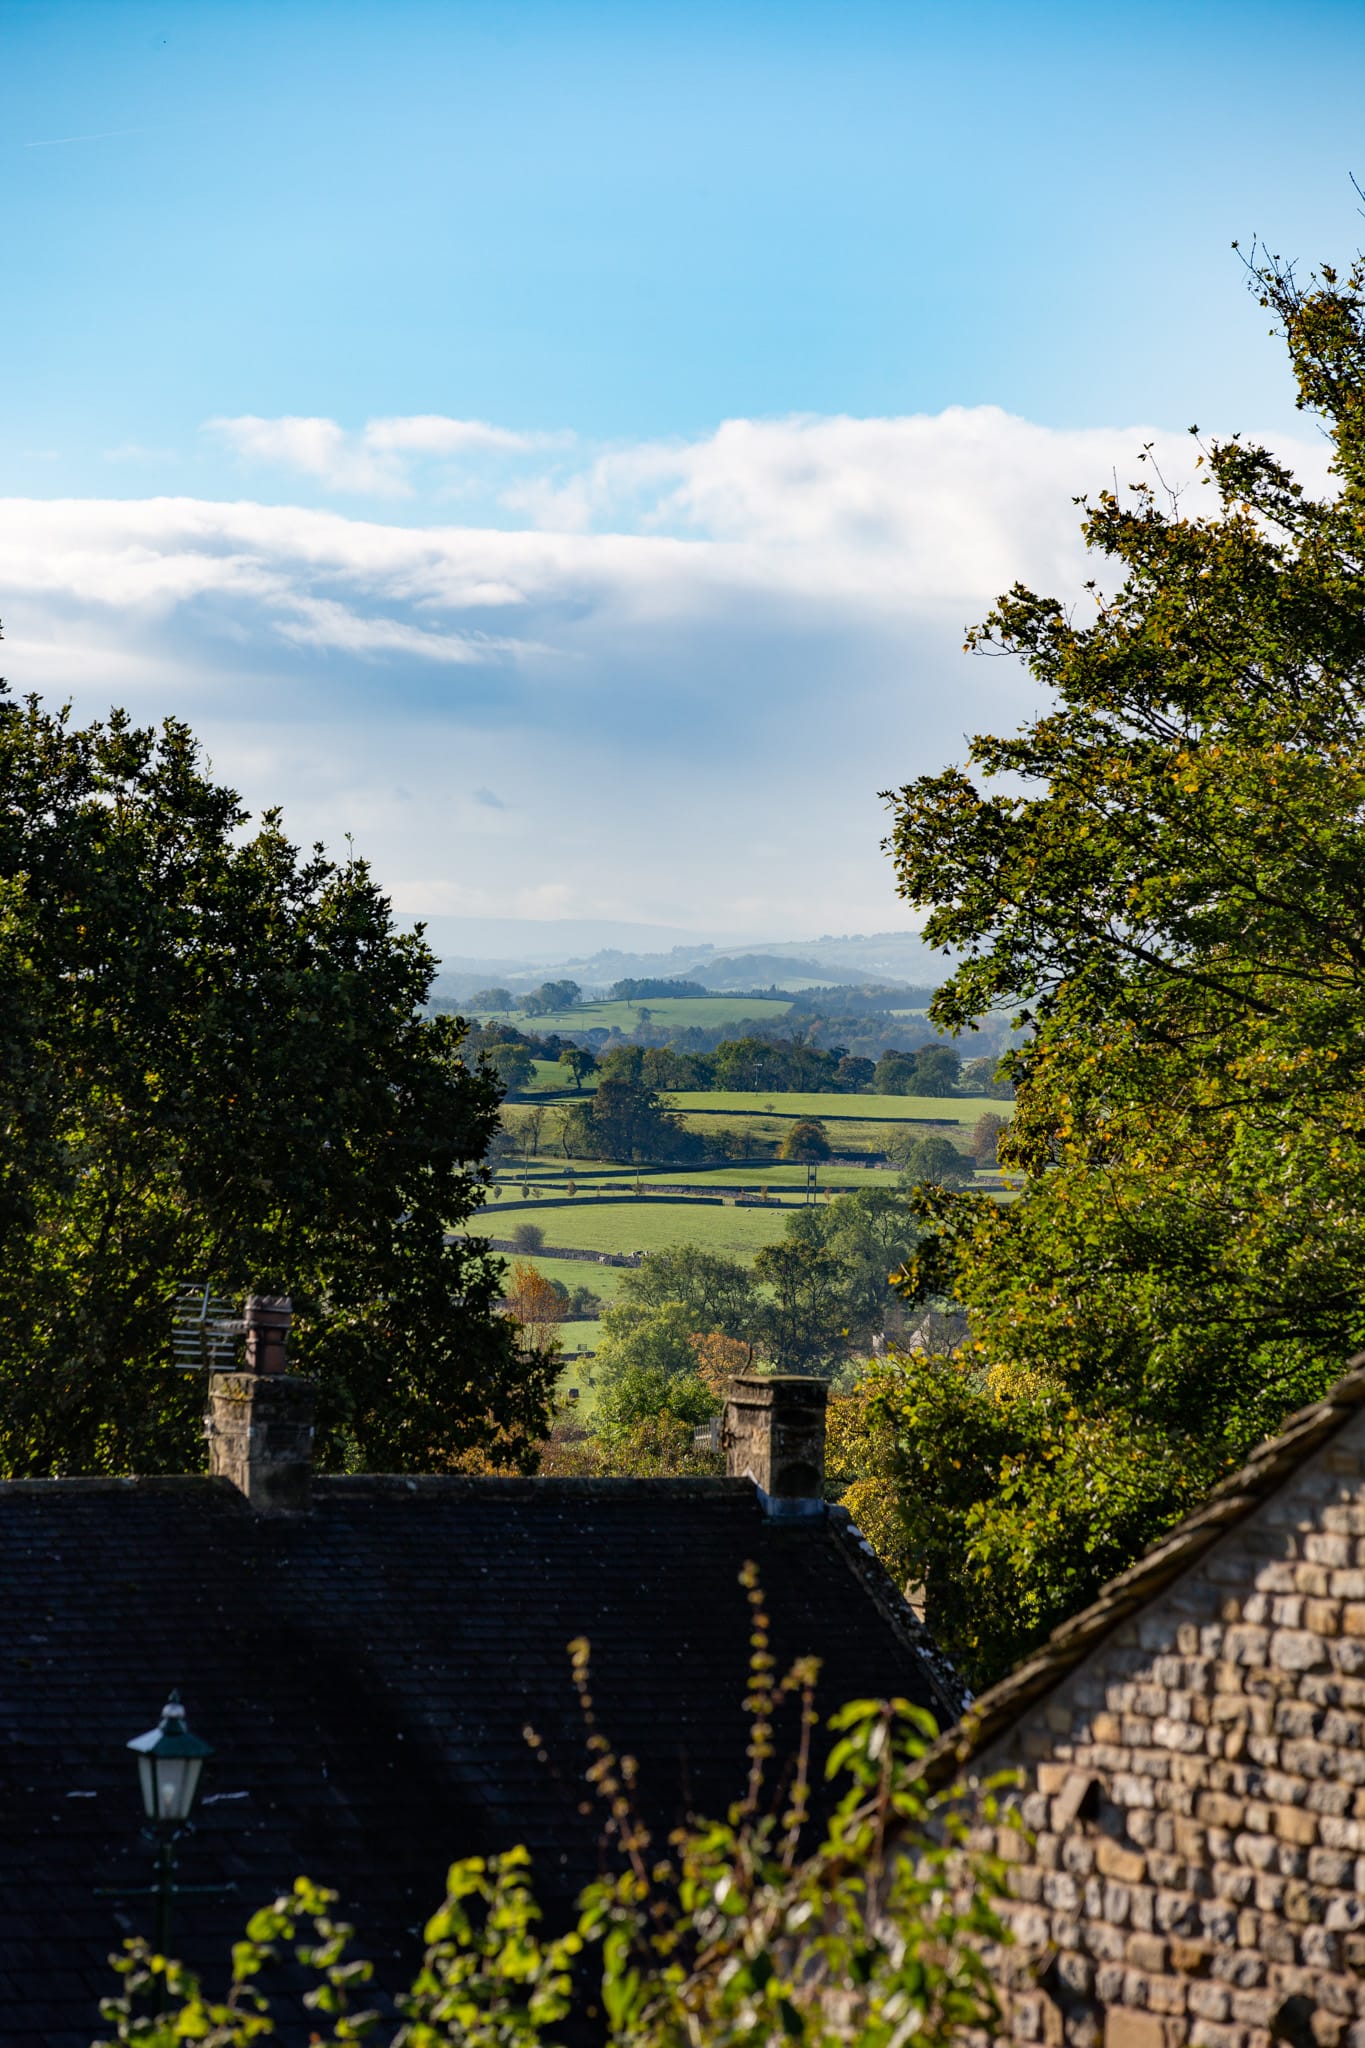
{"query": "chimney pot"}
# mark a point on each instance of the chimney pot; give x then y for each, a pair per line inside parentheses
(775, 1435)
(267, 1318)
(260, 1422)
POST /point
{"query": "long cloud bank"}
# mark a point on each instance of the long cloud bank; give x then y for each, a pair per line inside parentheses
(682, 670)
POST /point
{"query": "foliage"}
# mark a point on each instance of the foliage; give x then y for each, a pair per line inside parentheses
(215, 1067)
(579, 1063)
(863, 1474)
(717, 1293)
(658, 1447)
(933, 1070)
(625, 1120)
(933, 1159)
(755, 1929)
(719, 1358)
(1165, 883)
(986, 1135)
(638, 1336)
(870, 1232)
(528, 1237)
(650, 987)
(549, 997)
(491, 999)
(805, 1141)
(644, 1393)
(803, 1321)
(536, 1305)
(511, 1059)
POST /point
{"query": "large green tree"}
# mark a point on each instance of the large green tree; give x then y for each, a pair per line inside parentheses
(718, 1293)
(215, 1068)
(1162, 872)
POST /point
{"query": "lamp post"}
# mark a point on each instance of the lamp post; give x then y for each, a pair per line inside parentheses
(169, 1761)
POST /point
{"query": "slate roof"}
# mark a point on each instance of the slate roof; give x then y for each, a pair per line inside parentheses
(1238, 1496)
(364, 1674)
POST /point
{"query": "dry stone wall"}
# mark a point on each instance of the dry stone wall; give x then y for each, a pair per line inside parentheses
(1195, 1790)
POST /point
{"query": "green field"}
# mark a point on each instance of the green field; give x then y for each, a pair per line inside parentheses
(865, 1108)
(704, 1010)
(640, 1227)
(776, 1174)
(571, 1273)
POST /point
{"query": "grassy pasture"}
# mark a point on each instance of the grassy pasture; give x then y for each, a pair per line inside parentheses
(640, 1227)
(550, 1078)
(571, 1273)
(884, 1109)
(870, 1138)
(679, 1010)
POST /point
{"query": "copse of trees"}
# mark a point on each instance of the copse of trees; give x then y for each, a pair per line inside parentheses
(215, 1067)
(550, 997)
(625, 1119)
(649, 989)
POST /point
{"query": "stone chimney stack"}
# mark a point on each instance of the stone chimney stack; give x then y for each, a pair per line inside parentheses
(260, 1421)
(775, 1435)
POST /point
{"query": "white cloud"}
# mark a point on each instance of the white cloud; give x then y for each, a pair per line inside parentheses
(377, 459)
(694, 672)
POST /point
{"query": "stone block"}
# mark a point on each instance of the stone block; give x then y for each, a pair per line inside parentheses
(1124, 2028)
(1217, 1809)
(1214, 2034)
(1254, 1851)
(1183, 1735)
(1332, 1549)
(1105, 1942)
(1176, 1912)
(1254, 2008)
(1116, 1903)
(1147, 1952)
(1209, 2001)
(1297, 1649)
(1128, 1866)
(1320, 1948)
(1167, 1994)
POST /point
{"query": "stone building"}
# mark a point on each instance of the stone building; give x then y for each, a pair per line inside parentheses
(1192, 1751)
(365, 1655)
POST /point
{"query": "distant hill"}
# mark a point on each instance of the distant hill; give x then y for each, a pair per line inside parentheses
(890, 959)
(744, 971)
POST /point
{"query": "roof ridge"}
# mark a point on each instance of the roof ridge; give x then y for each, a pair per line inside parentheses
(1229, 1503)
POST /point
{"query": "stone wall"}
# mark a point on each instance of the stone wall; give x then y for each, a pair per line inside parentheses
(1196, 1793)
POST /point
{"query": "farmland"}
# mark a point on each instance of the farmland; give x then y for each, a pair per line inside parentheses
(888, 1109)
(707, 1011)
(627, 1224)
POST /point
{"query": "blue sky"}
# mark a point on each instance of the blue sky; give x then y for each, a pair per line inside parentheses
(561, 444)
